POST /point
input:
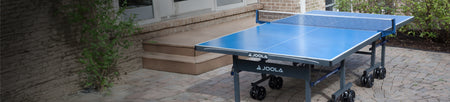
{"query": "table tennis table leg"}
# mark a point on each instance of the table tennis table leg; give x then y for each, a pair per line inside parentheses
(236, 81)
(366, 79)
(373, 54)
(344, 94)
(381, 71)
(308, 85)
(342, 75)
(383, 52)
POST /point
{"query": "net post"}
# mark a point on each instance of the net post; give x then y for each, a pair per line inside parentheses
(394, 28)
(257, 18)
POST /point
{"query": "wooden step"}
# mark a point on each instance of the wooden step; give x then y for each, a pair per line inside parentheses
(176, 53)
(185, 64)
(172, 49)
(183, 43)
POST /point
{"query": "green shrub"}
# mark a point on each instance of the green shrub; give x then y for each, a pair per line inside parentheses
(344, 5)
(431, 18)
(367, 6)
(102, 37)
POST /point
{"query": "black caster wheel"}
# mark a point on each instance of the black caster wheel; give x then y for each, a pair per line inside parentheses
(347, 96)
(369, 82)
(366, 81)
(379, 73)
(362, 80)
(376, 73)
(352, 93)
(382, 73)
(258, 92)
(275, 82)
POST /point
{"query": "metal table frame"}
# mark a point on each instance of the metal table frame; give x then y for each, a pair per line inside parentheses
(300, 72)
(303, 72)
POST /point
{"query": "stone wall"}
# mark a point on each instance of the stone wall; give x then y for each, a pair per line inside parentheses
(184, 24)
(292, 5)
(281, 5)
(315, 5)
(39, 49)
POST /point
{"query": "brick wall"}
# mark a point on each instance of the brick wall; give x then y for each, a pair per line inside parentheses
(292, 5)
(184, 24)
(287, 6)
(281, 5)
(38, 51)
(315, 5)
(39, 48)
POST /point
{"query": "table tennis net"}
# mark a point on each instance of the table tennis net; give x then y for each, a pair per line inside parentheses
(342, 22)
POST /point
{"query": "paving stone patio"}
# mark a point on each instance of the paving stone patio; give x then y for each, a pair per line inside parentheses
(412, 75)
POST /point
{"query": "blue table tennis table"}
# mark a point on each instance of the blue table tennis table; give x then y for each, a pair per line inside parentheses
(322, 38)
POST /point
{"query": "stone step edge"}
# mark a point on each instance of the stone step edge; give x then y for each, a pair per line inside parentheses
(197, 19)
(180, 58)
(174, 50)
(146, 42)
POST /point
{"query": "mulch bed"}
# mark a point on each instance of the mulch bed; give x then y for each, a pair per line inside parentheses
(408, 41)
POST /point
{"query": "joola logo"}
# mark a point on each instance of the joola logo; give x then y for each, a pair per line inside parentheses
(268, 68)
(257, 55)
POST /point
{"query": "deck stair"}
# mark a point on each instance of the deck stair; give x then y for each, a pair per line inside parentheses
(176, 53)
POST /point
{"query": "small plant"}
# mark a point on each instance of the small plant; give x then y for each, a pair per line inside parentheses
(101, 39)
(367, 6)
(431, 18)
(344, 5)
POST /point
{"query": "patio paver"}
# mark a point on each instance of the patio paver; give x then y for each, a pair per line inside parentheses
(412, 75)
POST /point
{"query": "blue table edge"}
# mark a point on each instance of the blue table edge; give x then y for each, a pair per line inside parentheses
(300, 59)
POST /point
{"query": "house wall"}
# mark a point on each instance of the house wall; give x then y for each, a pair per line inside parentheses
(39, 52)
(292, 5)
(315, 5)
(281, 5)
(39, 48)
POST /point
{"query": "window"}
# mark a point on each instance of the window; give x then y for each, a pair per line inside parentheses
(149, 11)
(227, 2)
(143, 9)
(135, 3)
(178, 0)
(329, 5)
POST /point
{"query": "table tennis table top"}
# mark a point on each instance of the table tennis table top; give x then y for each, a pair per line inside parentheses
(301, 39)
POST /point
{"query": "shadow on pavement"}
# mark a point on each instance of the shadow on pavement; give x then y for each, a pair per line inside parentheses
(292, 90)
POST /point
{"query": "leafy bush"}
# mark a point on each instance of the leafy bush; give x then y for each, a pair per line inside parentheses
(344, 5)
(102, 37)
(431, 18)
(367, 6)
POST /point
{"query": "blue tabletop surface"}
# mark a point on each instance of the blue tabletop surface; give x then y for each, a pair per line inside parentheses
(305, 39)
